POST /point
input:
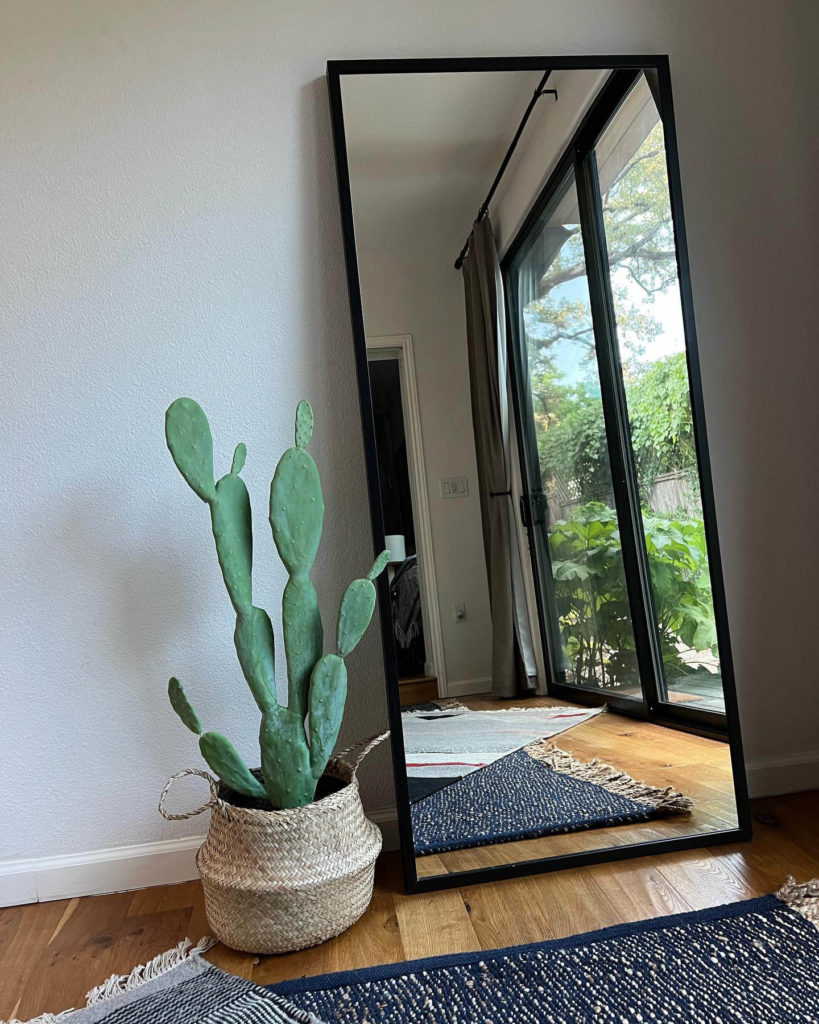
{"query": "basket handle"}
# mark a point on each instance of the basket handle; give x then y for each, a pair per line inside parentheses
(365, 745)
(213, 783)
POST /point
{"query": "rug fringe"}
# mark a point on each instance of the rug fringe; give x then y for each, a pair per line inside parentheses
(146, 972)
(803, 897)
(119, 983)
(665, 802)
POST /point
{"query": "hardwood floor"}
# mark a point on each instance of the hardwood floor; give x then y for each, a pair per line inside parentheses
(52, 953)
(693, 765)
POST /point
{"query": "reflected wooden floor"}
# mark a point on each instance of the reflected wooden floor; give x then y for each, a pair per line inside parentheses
(696, 766)
(52, 953)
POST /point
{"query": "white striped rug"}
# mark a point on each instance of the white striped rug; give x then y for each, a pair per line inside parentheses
(453, 742)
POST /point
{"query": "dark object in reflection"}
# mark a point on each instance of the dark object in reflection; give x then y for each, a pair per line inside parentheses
(407, 624)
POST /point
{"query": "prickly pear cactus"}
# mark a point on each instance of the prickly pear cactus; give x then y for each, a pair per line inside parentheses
(296, 741)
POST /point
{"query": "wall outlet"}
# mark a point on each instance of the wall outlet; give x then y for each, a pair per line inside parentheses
(460, 611)
(454, 487)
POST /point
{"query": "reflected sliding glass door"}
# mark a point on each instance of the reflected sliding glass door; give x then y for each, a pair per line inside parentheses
(613, 500)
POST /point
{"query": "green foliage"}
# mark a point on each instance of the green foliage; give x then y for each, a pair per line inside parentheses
(560, 338)
(662, 428)
(571, 430)
(294, 752)
(592, 600)
(573, 445)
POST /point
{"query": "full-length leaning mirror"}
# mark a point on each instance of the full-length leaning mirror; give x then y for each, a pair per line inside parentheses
(558, 664)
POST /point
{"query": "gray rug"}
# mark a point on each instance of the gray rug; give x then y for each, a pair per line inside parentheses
(179, 987)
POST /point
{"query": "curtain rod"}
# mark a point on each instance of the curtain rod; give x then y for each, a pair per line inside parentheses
(539, 91)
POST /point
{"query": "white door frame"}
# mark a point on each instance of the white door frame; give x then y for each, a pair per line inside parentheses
(399, 347)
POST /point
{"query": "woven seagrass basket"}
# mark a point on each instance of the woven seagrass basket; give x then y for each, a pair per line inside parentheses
(276, 881)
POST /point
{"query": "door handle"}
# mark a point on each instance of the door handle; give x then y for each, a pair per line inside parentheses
(524, 512)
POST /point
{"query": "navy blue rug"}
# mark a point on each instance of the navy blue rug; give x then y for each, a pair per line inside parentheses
(755, 962)
(535, 791)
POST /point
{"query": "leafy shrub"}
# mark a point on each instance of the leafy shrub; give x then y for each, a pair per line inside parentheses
(592, 600)
(571, 431)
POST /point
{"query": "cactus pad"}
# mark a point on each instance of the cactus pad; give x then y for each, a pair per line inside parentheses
(286, 767)
(233, 532)
(354, 614)
(379, 565)
(303, 639)
(226, 762)
(182, 706)
(239, 456)
(256, 648)
(187, 433)
(296, 510)
(328, 693)
(304, 424)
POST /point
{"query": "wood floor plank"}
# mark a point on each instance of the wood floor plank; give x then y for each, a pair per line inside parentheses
(27, 931)
(508, 913)
(705, 879)
(432, 924)
(167, 897)
(642, 894)
(572, 903)
(80, 955)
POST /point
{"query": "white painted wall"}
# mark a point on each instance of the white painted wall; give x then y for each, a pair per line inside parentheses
(409, 286)
(170, 226)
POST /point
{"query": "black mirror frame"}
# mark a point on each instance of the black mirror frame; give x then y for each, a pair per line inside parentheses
(336, 69)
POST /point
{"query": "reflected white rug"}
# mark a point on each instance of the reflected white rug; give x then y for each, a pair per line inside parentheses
(443, 745)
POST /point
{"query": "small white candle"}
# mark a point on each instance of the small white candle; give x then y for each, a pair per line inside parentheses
(397, 547)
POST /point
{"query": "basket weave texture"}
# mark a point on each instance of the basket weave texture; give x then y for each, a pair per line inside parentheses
(277, 881)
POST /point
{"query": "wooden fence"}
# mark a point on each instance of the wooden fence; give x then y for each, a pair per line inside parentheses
(671, 492)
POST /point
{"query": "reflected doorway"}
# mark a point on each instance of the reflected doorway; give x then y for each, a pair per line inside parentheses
(410, 572)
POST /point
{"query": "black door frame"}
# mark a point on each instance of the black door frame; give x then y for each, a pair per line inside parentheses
(579, 160)
(336, 70)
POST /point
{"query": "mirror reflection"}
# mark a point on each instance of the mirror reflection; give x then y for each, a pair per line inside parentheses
(551, 583)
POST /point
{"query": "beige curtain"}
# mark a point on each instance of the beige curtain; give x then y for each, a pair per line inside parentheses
(513, 664)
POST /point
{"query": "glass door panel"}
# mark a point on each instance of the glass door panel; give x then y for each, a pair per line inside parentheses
(639, 235)
(584, 597)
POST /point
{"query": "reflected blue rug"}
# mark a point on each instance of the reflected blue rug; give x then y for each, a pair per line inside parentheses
(755, 962)
(536, 791)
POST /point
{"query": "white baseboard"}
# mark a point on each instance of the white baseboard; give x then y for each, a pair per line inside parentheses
(464, 687)
(773, 776)
(39, 879)
(98, 871)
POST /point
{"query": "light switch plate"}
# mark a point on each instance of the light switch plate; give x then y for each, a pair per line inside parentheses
(454, 487)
